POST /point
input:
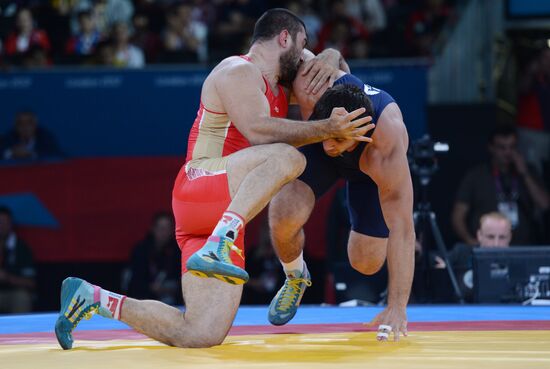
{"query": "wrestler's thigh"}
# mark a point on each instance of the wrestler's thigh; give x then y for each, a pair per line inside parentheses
(242, 162)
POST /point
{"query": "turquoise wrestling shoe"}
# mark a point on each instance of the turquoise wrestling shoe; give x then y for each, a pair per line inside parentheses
(285, 304)
(213, 261)
(79, 299)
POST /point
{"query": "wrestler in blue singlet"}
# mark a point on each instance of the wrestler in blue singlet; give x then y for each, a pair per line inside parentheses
(322, 171)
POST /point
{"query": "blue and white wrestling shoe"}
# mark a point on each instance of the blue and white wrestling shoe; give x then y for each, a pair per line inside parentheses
(285, 304)
(213, 261)
(79, 299)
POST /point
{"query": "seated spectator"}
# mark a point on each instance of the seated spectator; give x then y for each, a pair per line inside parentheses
(235, 19)
(144, 38)
(495, 230)
(16, 268)
(35, 57)
(25, 37)
(27, 140)
(184, 39)
(105, 53)
(340, 30)
(534, 111)
(83, 44)
(108, 13)
(126, 54)
(155, 269)
(359, 49)
(424, 26)
(370, 12)
(505, 184)
(312, 21)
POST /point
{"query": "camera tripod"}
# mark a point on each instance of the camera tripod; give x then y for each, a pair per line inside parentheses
(424, 216)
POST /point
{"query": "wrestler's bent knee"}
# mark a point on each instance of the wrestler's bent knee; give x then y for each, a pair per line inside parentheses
(291, 161)
(366, 267)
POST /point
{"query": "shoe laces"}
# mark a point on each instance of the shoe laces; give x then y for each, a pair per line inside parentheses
(86, 314)
(291, 291)
(225, 247)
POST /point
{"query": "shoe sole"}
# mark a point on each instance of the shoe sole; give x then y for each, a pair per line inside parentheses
(199, 267)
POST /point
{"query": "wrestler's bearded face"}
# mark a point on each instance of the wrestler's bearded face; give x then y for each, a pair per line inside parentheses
(289, 62)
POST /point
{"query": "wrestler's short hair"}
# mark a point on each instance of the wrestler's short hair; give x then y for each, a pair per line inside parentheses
(349, 97)
(274, 21)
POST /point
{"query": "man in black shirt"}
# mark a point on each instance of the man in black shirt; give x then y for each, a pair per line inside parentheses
(505, 184)
(16, 268)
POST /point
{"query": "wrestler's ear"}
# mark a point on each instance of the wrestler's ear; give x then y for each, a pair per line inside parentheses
(284, 38)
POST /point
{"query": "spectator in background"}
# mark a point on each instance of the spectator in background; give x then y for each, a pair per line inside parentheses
(424, 26)
(534, 111)
(84, 42)
(126, 55)
(16, 268)
(25, 38)
(185, 39)
(340, 30)
(154, 271)
(359, 48)
(370, 12)
(105, 53)
(108, 13)
(234, 20)
(495, 230)
(27, 140)
(144, 38)
(505, 184)
(312, 21)
(35, 57)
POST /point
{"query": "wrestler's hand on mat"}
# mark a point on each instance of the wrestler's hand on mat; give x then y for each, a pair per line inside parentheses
(391, 320)
(321, 69)
(347, 126)
(336, 146)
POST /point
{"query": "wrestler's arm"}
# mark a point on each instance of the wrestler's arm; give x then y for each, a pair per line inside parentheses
(385, 161)
(241, 91)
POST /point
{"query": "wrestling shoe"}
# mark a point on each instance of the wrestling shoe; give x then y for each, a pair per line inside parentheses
(285, 304)
(79, 299)
(213, 261)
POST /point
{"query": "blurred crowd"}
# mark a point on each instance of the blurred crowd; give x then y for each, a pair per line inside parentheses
(133, 33)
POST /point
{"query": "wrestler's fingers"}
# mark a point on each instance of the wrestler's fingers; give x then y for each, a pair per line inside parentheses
(307, 66)
(354, 114)
(315, 82)
(339, 111)
(361, 121)
(396, 334)
(321, 81)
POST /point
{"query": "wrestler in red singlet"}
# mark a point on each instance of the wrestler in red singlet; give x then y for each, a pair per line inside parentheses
(201, 191)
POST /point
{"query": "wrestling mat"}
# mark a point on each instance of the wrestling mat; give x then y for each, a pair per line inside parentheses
(442, 337)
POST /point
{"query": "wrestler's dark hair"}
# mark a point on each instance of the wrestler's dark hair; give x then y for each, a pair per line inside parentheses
(349, 97)
(274, 21)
